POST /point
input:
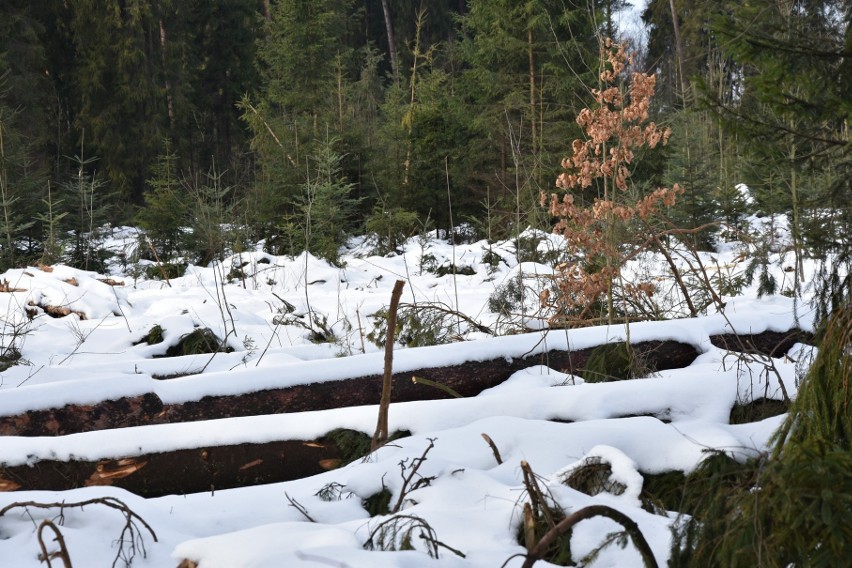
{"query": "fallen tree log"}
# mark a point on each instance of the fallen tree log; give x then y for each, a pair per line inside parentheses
(74, 418)
(187, 458)
(768, 343)
(467, 379)
(181, 471)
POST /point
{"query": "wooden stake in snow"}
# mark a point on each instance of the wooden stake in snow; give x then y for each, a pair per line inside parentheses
(381, 435)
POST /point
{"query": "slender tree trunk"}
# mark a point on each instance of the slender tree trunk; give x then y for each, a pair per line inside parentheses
(169, 97)
(532, 91)
(381, 435)
(421, 14)
(4, 186)
(339, 96)
(678, 52)
(796, 223)
(391, 42)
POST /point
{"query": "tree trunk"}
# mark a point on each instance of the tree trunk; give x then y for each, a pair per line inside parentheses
(381, 435)
(678, 52)
(391, 42)
(532, 93)
(467, 379)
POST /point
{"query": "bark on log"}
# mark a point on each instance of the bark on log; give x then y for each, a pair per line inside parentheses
(769, 343)
(190, 470)
(74, 418)
(467, 379)
(182, 471)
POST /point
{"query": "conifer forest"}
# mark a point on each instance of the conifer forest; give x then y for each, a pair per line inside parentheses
(300, 122)
(616, 250)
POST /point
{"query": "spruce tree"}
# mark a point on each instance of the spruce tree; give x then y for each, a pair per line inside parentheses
(118, 84)
(794, 105)
(523, 94)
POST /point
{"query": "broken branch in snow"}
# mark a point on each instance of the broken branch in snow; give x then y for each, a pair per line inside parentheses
(129, 540)
(566, 524)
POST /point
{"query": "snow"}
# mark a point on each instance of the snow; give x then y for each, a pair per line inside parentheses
(550, 419)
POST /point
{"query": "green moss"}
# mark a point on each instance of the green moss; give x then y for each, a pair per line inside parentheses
(757, 410)
(9, 359)
(352, 444)
(593, 477)
(154, 335)
(199, 341)
(450, 269)
(663, 492)
(378, 503)
(609, 362)
(169, 269)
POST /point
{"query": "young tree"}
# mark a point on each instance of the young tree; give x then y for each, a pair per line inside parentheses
(603, 234)
(166, 213)
(306, 65)
(325, 207)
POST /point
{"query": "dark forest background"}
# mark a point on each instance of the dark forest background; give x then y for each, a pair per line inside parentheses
(298, 122)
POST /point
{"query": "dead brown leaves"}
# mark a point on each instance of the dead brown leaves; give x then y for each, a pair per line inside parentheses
(615, 127)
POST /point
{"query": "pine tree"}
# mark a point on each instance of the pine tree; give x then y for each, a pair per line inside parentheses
(523, 93)
(119, 88)
(166, 213)
(307, 69)
(794, 105)
(24, 131)
(325, 206)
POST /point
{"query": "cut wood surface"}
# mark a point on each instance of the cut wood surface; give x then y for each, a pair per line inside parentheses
(182, 471)
(467, 379)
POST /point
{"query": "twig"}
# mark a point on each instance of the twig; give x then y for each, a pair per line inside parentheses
(676, 273)
(299, 507)
(62, 553)
(536, 495)
(383, 536)
(130, 519)
(360, 330)
(440, 307)
(406, 479)
(81, 338)
(159, 262)
(318, 559)
(121, 311)
(439, 386)
(493, 447)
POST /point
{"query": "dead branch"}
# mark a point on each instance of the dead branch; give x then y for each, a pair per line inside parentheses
(299, 507)
(407, 486)
(5, 287)
(493, 447)
(127, 548)
(381, 435)
(589, 512)
(62, 553)
(437, 385)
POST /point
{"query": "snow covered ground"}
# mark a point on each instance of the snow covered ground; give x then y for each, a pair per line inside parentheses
(270, 309)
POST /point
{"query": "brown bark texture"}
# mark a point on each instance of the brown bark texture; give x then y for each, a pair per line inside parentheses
(467, 379)
(198, 469)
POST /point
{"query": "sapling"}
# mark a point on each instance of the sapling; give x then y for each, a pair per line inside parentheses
(616, 128)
